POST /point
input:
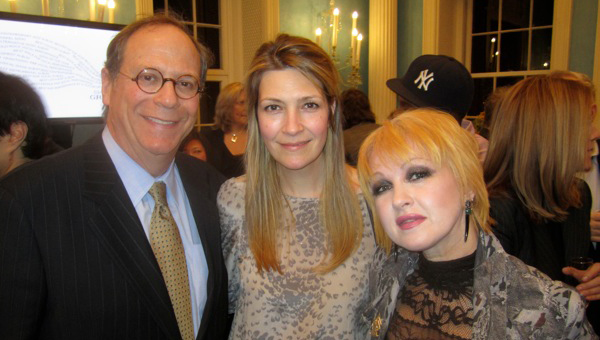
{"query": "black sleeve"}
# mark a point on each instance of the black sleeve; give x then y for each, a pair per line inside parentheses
(504, 224)
(22, 280)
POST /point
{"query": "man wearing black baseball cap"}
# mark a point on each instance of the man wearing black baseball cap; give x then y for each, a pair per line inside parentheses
(440, 82)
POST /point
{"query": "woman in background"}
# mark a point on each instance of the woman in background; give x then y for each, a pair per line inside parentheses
(23, 123)
(421, 175)
(193, 145)
(227, 139)
(297, 239)
(541, 137)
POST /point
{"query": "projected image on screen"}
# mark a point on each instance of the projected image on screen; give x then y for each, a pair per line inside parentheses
(62, 63)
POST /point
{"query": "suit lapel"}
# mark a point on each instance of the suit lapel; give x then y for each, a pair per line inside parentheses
(199, 199)
(119, 230)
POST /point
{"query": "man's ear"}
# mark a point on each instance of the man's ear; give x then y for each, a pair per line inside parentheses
(18, 132)
(106, 86)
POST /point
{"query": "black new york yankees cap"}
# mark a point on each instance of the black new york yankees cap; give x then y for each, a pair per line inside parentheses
(437, 81)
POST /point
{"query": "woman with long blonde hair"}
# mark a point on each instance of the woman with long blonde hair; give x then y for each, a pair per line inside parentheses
(297, 237)
(541, 137)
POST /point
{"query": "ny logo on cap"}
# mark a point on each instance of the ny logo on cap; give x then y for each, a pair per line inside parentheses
(425, 79)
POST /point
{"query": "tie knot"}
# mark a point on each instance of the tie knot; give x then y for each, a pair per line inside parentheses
(159, 193)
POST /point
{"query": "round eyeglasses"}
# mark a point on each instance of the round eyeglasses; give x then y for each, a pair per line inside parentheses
(151, 81)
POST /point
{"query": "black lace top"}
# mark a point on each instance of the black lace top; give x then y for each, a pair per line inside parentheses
(436, 302)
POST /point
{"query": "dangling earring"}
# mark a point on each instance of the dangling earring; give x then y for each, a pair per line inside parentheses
(468, 212)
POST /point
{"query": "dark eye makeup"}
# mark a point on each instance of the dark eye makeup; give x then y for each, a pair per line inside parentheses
(416, 173)
(380, 187)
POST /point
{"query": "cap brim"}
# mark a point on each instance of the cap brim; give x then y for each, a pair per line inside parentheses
(395, 84)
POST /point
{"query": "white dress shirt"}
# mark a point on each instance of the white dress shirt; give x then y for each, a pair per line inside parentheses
(138, 182)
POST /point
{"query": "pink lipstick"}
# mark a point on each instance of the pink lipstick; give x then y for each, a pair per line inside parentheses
(409, 221)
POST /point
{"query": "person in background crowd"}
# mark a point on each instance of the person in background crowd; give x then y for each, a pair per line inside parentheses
(488, 108)
(297, 238)
(227, 140)
(541, 137)
(119, 238)
(359, 121)
(22, 123)
(193, 145)
(421, 176)
(439, 82)
(592, 178)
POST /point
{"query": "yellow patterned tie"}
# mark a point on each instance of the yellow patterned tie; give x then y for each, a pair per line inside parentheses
(168, 249)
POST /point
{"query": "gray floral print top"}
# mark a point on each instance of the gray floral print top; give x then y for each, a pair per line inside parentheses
(298, 304)
(510, 299)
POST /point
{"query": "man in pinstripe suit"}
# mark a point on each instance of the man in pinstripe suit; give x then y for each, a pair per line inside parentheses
(75, 255)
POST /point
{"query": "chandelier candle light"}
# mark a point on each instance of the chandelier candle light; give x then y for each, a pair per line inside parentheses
(45, 8)
(318, 33)
(331, 19)
(100, 12)
(13, 5)
(334, 32)
(111, 11)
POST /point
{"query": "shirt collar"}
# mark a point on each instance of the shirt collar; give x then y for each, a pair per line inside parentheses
(137, 180)
(467, 125)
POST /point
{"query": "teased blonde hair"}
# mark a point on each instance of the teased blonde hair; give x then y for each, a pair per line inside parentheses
(340, 212)
(430, 134)
(538, 136)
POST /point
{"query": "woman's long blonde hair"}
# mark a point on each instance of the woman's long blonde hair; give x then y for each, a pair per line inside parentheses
(425, 133)
(538, 137)
(340, 212)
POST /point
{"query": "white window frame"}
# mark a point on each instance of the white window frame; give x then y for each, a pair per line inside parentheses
(231, 47)
(450, 34)
(561, 33)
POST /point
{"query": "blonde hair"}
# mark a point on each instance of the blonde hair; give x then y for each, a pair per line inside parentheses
(224, 107)
(340, 212)
(576, 76)
(425, 133)
(538, 135)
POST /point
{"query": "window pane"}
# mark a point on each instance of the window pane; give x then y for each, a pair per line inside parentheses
(541, 43)
(507, 81)
(483, 87)
(515, 14)
(181, 7)
(513, 51)
(207, 11)
(543, 11)
(483, 53)
(208, 101)
(485, 15)
(211, 38)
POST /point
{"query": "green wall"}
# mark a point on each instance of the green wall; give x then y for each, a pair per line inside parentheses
(303, 17)
(410, 33)
(583, 36)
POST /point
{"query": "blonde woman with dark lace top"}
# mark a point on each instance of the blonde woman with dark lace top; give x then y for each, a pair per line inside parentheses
(440, 273)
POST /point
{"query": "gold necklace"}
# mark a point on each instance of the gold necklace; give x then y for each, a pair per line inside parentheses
(234, 138)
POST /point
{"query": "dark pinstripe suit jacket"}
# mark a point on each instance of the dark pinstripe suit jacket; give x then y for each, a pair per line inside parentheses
(75, 262)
